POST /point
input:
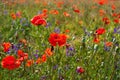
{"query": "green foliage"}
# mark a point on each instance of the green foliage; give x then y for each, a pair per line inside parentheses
(98, 63)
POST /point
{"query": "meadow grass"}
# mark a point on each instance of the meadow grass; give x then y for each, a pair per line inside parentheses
(98, 61)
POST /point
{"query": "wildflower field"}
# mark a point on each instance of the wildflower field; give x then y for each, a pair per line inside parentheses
(59, 40)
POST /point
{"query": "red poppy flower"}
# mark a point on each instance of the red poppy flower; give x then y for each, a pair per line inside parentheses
(101, 12)
(56, 38)
(106, 20)
(113, 7)
(108, 44)
(21, 55)
(100, 31)
(45, 11)
(114, 14)
(43, 15)
(67, 31)
(13, 15)
(18, 63)
(10, 63)
(38, 61)
(77, 10)
(80, 70)
(66, 14)
(55, 12)
(59, 4)
(62, 39)
(116, 20)
(35, 18)
(6, 46)
(102, 2)
(48, 52)
(38, 20)
(118, 15)
(96, 40)
(53, 39)
(44, 58)
(29, 62)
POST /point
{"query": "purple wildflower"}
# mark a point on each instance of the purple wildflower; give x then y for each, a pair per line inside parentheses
(106, 48)
(86, 31)
(48, 25)
(22, 20)
(55, 67)
(70, 51)
(36, 55)
(117, 30)
(5, 12)
(43, 77)
(8, 52)
(37, 51)
(117, 44)
(57, 30)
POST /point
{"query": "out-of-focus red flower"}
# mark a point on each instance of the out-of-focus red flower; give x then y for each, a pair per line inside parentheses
(96, 40)
(114, 14)
(45, 11)
(35, 18)
(76, 10)
(59, 39)
(59, 4)
(29, 62)
(67, 31)
(38, 61)
(100, 31)
(108, 44)
(13, 15)
(106, 20)
(102, 12)
(80, 70)
(66, 14)
(43, 15)
(38, 20)
(6, 46)
(45, 3)
(55, 12)
(116, 20)
(118, 16)
(44, 58)
(36, 1)
(18, 63)
(10, 63)
(102, 2)
(21, 55)
(113, 7)
(48, 52)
